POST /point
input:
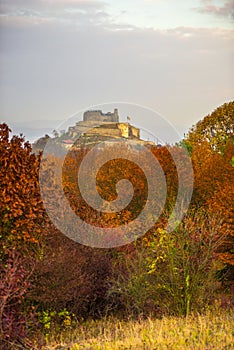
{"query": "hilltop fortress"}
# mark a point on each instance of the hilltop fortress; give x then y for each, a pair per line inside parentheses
(103, 126)
(96, 126)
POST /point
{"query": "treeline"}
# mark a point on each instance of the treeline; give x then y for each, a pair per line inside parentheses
(49, 281)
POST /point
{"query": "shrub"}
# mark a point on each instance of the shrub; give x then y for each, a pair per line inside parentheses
(172, 273)
(71, 276)
(15, 281)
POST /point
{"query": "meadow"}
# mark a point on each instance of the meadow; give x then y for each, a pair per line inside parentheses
(209, 331)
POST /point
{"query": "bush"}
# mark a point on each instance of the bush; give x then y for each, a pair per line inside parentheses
(15, 320)
(172, 273)
(71, 276)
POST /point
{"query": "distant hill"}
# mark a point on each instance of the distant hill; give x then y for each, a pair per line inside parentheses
(32, 130)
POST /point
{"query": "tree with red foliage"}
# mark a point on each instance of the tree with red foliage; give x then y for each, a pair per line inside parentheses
(211, 142)
(21, 211)
(21, 224)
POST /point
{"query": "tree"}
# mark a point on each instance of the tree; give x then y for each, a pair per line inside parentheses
(21, 211)
(222, 203)
(211, 146)
(212, 141)
(216, 128)
(21, 224)
(211, 171)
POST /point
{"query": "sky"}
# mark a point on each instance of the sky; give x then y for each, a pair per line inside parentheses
(58, 57)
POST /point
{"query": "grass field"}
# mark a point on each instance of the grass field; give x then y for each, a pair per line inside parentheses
(213, 330)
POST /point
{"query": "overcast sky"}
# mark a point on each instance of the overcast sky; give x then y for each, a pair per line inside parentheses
(60, 56)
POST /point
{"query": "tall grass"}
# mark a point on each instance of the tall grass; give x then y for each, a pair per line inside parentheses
(213, 330)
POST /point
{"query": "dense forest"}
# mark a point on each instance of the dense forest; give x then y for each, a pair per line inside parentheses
(50, 283)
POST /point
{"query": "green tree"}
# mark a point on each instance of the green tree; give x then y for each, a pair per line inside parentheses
(216, 128)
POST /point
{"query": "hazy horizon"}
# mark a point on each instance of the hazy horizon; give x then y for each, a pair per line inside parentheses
(60, 56)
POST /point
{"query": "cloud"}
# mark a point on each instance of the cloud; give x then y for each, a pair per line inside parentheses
(7, 5)
(30, 12)
(49, 70)
(226, 10)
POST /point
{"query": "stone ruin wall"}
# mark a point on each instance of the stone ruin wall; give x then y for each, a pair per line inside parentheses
(124, 129)
(105, 131)
(135, 132)
(99, 116)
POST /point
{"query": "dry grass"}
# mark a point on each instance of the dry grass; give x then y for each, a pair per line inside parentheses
(213, 330)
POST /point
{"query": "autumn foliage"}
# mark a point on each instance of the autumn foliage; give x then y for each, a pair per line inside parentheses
(21, 225)
(161, 273)
(21, 212)
(217, 128)
(212, 144)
